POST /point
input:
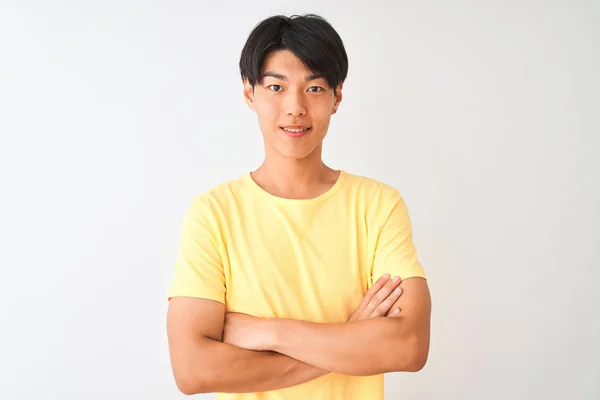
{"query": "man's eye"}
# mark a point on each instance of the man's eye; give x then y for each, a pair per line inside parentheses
(275, 88)
(315, 89)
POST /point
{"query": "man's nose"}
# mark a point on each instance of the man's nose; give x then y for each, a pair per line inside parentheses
(295, 105)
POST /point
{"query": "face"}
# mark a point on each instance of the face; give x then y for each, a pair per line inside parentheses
(293, 106)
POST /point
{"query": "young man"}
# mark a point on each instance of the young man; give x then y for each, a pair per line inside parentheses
(275, 291)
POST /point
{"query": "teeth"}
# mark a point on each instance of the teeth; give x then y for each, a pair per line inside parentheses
(295, 130)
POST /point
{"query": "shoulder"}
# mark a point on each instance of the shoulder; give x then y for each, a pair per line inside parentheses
(378, 200)
(219, 199)
(223, 192)
(372, 189)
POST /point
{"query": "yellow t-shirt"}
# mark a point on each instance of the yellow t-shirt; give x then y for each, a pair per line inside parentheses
(309, 260)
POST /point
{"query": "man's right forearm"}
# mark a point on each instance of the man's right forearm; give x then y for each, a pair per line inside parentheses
(220, 367)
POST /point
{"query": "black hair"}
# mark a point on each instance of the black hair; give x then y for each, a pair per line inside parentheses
(310, 37)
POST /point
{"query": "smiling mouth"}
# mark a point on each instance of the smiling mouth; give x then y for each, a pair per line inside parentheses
(296, 132)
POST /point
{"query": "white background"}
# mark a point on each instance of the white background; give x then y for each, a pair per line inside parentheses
(114, 114)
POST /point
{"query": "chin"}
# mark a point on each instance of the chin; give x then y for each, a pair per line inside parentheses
(296, 148)
(295, 153)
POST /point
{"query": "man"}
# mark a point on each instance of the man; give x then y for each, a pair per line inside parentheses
(275, 291)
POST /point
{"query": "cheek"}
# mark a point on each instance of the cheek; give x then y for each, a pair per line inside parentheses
(322, 114)
(267, 111)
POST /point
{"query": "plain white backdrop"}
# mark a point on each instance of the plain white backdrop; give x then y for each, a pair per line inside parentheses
(485, 115)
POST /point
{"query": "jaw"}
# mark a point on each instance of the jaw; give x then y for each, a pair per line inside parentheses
(290, 148)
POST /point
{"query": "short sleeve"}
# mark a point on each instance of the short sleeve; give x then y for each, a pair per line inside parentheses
(395, 252)
(199, 267)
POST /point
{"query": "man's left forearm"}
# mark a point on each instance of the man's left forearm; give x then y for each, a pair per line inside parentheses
(367, 347)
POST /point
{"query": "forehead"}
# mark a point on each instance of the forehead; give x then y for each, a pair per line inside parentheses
(286, 63)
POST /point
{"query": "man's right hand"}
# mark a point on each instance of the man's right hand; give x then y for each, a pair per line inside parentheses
(379, 300)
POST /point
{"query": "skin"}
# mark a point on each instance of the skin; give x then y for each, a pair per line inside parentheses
(364, 347)
(293, 167)
(203, 362)
(214, 352)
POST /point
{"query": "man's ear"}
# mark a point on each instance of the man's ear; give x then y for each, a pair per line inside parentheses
(337, 98)
(249, 94)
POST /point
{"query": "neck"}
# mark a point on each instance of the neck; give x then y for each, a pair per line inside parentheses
(295, 178)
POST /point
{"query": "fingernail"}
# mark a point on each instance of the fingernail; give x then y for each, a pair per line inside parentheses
(396, 311)
(396, 279)
(398, 291)
(386, 276)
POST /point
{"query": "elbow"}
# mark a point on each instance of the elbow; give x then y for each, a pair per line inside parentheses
(417, 362)
(184, 384)
(190, 387)
(414, 354)
(190, 384)
(186, 388)
(194, 372)
(420, 355)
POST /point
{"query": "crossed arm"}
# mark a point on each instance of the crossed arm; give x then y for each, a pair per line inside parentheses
(202, 363)
(367, 347)
(214, 352)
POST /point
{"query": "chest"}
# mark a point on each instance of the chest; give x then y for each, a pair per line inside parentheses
(310, 265)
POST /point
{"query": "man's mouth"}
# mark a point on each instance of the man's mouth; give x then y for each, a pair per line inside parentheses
(296, 132)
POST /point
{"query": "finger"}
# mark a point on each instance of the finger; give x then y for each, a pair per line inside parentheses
(387, 304)
(359, 312)
(382, 294)
(393, 313)
(380, 283)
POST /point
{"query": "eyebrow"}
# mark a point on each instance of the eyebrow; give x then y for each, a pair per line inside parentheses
(284, 78)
